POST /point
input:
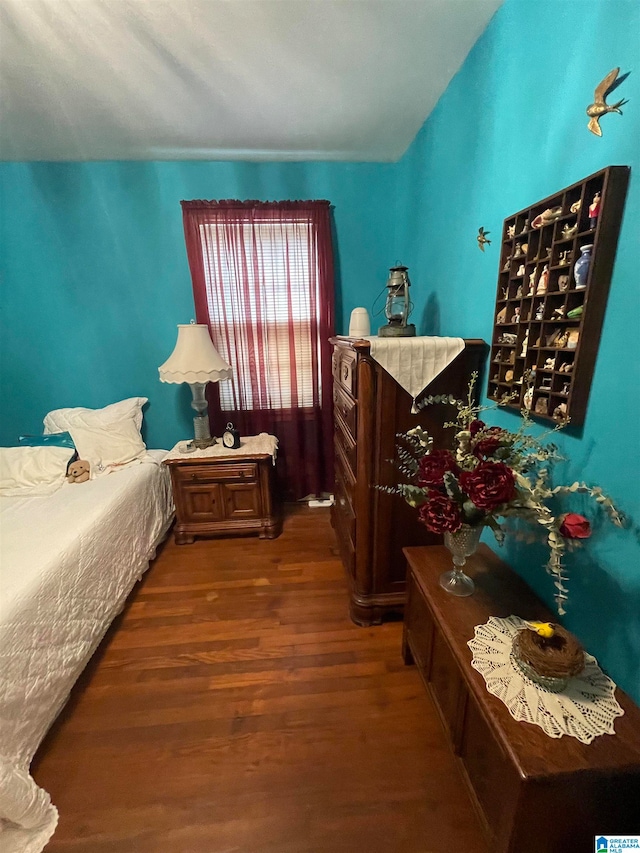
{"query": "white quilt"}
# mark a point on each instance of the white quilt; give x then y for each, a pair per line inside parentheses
(67, 564)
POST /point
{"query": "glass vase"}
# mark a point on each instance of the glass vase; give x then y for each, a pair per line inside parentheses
(462, 544)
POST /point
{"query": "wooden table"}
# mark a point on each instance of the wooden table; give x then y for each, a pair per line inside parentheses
(534, 794)
(231, 493)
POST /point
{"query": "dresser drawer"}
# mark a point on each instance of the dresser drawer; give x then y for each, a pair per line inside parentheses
(220, 472)
(345, 412)
(345, 448)
(344, 475)
(345, 371)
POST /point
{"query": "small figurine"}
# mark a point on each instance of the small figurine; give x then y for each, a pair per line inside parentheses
(546, 383)
(495, 378)
(567, 367)
(519, 291)
(520, 270)
(575, 313)
(560, 412)
(542, 406)
(525, 248)
(508, 377)
(482, 239)
(600, 107)
(540, 311)
(518, 251)
(575, 207)
(569, 230)
(502, 315)
(512, 357)
(547, 217)
(525, 344)
(532, 283)
(543, 281)
(504, 293)
(562, 339)
(527, 400)
(498, 356)
(516, 315)
(573, 336)
(565, 257)
(550, 363)
(558, 313)
(525, 226)
(594, 211)
(511, 230)
(563, 282)
(505, 268)
(565, 388)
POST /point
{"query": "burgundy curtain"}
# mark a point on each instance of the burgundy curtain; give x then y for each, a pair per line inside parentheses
(262, 276)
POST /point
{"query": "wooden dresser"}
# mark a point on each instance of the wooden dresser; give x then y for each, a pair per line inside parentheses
(372, 527)
(534, 793)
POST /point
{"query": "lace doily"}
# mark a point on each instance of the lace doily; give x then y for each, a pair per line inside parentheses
(585, 709)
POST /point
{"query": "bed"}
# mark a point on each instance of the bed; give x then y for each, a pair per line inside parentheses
(68, 562)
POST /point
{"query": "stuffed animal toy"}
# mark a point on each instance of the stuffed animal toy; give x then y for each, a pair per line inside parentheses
(78, 471)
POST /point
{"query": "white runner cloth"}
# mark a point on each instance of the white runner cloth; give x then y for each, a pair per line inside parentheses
(250, 445)
(585, 709)
(415, 362)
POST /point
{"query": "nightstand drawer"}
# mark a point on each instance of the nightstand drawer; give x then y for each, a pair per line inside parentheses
(221, 471)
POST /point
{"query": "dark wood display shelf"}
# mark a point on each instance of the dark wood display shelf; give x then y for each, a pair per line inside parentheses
(533, 793)
(548, 247)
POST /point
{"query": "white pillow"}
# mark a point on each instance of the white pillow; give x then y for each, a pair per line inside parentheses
(60, 420)
(106, 445)
(32, 470)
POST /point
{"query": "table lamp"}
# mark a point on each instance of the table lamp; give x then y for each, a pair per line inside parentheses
(196, 361)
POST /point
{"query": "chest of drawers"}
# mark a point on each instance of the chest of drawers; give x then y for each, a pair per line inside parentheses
(372, 527)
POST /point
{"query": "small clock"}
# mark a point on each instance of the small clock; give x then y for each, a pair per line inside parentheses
(231, 437)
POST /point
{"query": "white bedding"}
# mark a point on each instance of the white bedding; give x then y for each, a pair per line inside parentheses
(67, 564)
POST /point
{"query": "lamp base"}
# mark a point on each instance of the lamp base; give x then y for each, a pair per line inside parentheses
(397, 331)
(201, 443)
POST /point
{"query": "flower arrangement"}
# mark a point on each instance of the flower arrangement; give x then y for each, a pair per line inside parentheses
(490, 476)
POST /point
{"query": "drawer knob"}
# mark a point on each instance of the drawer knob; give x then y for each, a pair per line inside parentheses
(194, 476)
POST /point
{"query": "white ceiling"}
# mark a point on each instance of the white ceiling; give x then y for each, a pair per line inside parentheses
(226, 79)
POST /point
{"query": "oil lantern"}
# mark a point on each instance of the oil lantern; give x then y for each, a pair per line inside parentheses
(398, 306)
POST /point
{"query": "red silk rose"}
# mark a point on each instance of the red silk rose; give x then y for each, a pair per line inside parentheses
(575, 526)
(476, 426)
(489, 484)
(440, 514)
(432, 467)
(488, 445)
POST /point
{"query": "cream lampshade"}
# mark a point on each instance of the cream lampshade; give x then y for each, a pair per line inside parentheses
(196, 361)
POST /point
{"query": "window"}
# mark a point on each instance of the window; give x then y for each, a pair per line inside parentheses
(270, 316)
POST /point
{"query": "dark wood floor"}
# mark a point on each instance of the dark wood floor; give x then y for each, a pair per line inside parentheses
(235, 708)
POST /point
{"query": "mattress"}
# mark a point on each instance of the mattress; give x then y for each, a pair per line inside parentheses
(68, 562)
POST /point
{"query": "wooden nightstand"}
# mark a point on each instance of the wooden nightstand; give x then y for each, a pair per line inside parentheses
(220, 492)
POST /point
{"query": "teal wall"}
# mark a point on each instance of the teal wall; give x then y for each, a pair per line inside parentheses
(94, 275)
(511, 129)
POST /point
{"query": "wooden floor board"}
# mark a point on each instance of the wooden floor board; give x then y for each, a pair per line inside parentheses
(235, 708)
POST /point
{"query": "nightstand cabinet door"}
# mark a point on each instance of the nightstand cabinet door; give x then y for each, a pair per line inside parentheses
(201, 502)
(242, 500)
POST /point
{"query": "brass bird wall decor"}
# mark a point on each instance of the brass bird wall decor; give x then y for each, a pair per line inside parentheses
(600, 107)
(482, 239)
